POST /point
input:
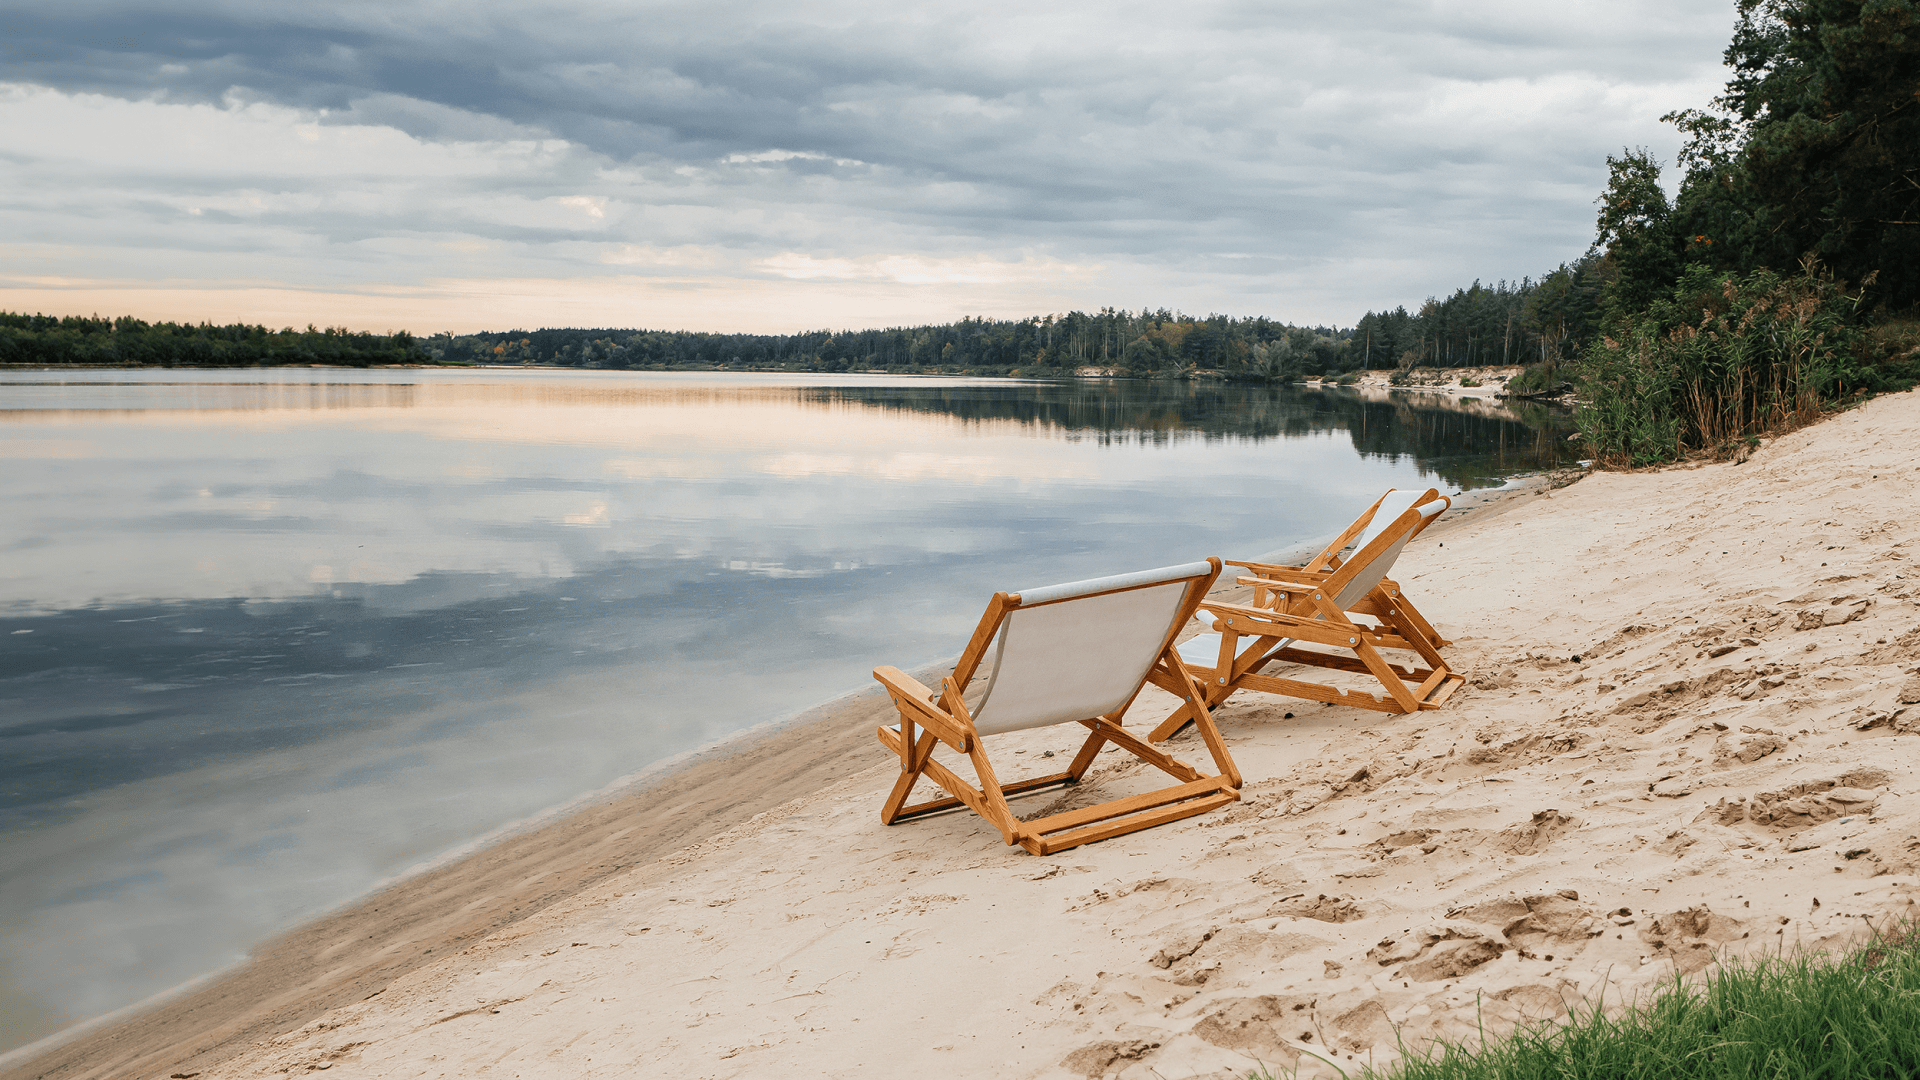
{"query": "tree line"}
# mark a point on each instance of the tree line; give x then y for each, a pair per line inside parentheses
(1147, 343)
(1503, 324)
(1526, 322)
(1481, 325)
(1476, 326)
(130, 342)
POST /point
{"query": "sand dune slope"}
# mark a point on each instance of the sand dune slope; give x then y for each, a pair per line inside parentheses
(1729, 765)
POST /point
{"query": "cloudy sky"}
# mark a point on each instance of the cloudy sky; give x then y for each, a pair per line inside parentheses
(772, 167)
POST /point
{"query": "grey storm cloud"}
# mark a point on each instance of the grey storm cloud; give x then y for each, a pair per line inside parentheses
(1234, 139)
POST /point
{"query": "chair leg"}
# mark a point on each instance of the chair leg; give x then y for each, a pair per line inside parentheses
(897, 798)
(1418, 621)
(1083, 760)
(1112, 732)
(912, 766)
(1211, 697)
(1217, 747)
(1180, 717)
(1199, 703)
(994, 800)
(1206, 695)
(1390, 679)
(1414, 631)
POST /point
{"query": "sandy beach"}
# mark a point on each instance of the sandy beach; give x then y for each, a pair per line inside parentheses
(1484, 383)
(1726, 767)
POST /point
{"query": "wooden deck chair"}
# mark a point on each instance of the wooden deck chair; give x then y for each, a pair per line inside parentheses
(1318, 611)
(1075, 653)
(1385, 602)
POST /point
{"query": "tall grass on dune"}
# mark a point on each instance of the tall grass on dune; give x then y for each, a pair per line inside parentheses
(1726, 356)
(1805, 1017)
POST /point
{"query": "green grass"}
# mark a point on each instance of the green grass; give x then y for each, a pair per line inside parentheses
(1814, 1016)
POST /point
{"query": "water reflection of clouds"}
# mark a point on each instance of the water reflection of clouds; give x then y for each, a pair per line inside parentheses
(28, 449)
(927, 465)
(674, 467)
(594, 515)
(378, 508)
(673, 425)
(654, 420)
(60, 398)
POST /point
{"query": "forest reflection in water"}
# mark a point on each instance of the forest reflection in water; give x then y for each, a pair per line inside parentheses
(1470, 442)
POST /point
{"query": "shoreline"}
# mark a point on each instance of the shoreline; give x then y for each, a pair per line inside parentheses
(1686, 734)
(355, 951)
(1449, 380)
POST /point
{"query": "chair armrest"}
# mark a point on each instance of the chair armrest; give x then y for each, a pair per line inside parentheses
(1288, 573)
(1280, 586)
(915, 703)
(1261, 567)
(1224, 611)
(1276, 570)
(1266, 622)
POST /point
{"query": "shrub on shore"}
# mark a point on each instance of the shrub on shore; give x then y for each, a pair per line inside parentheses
(1726, 356)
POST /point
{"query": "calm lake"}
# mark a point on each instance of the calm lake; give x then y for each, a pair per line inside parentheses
(270, 637)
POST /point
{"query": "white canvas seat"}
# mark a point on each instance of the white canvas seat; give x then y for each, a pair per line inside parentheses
(1077, 653)
(1314, 606)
